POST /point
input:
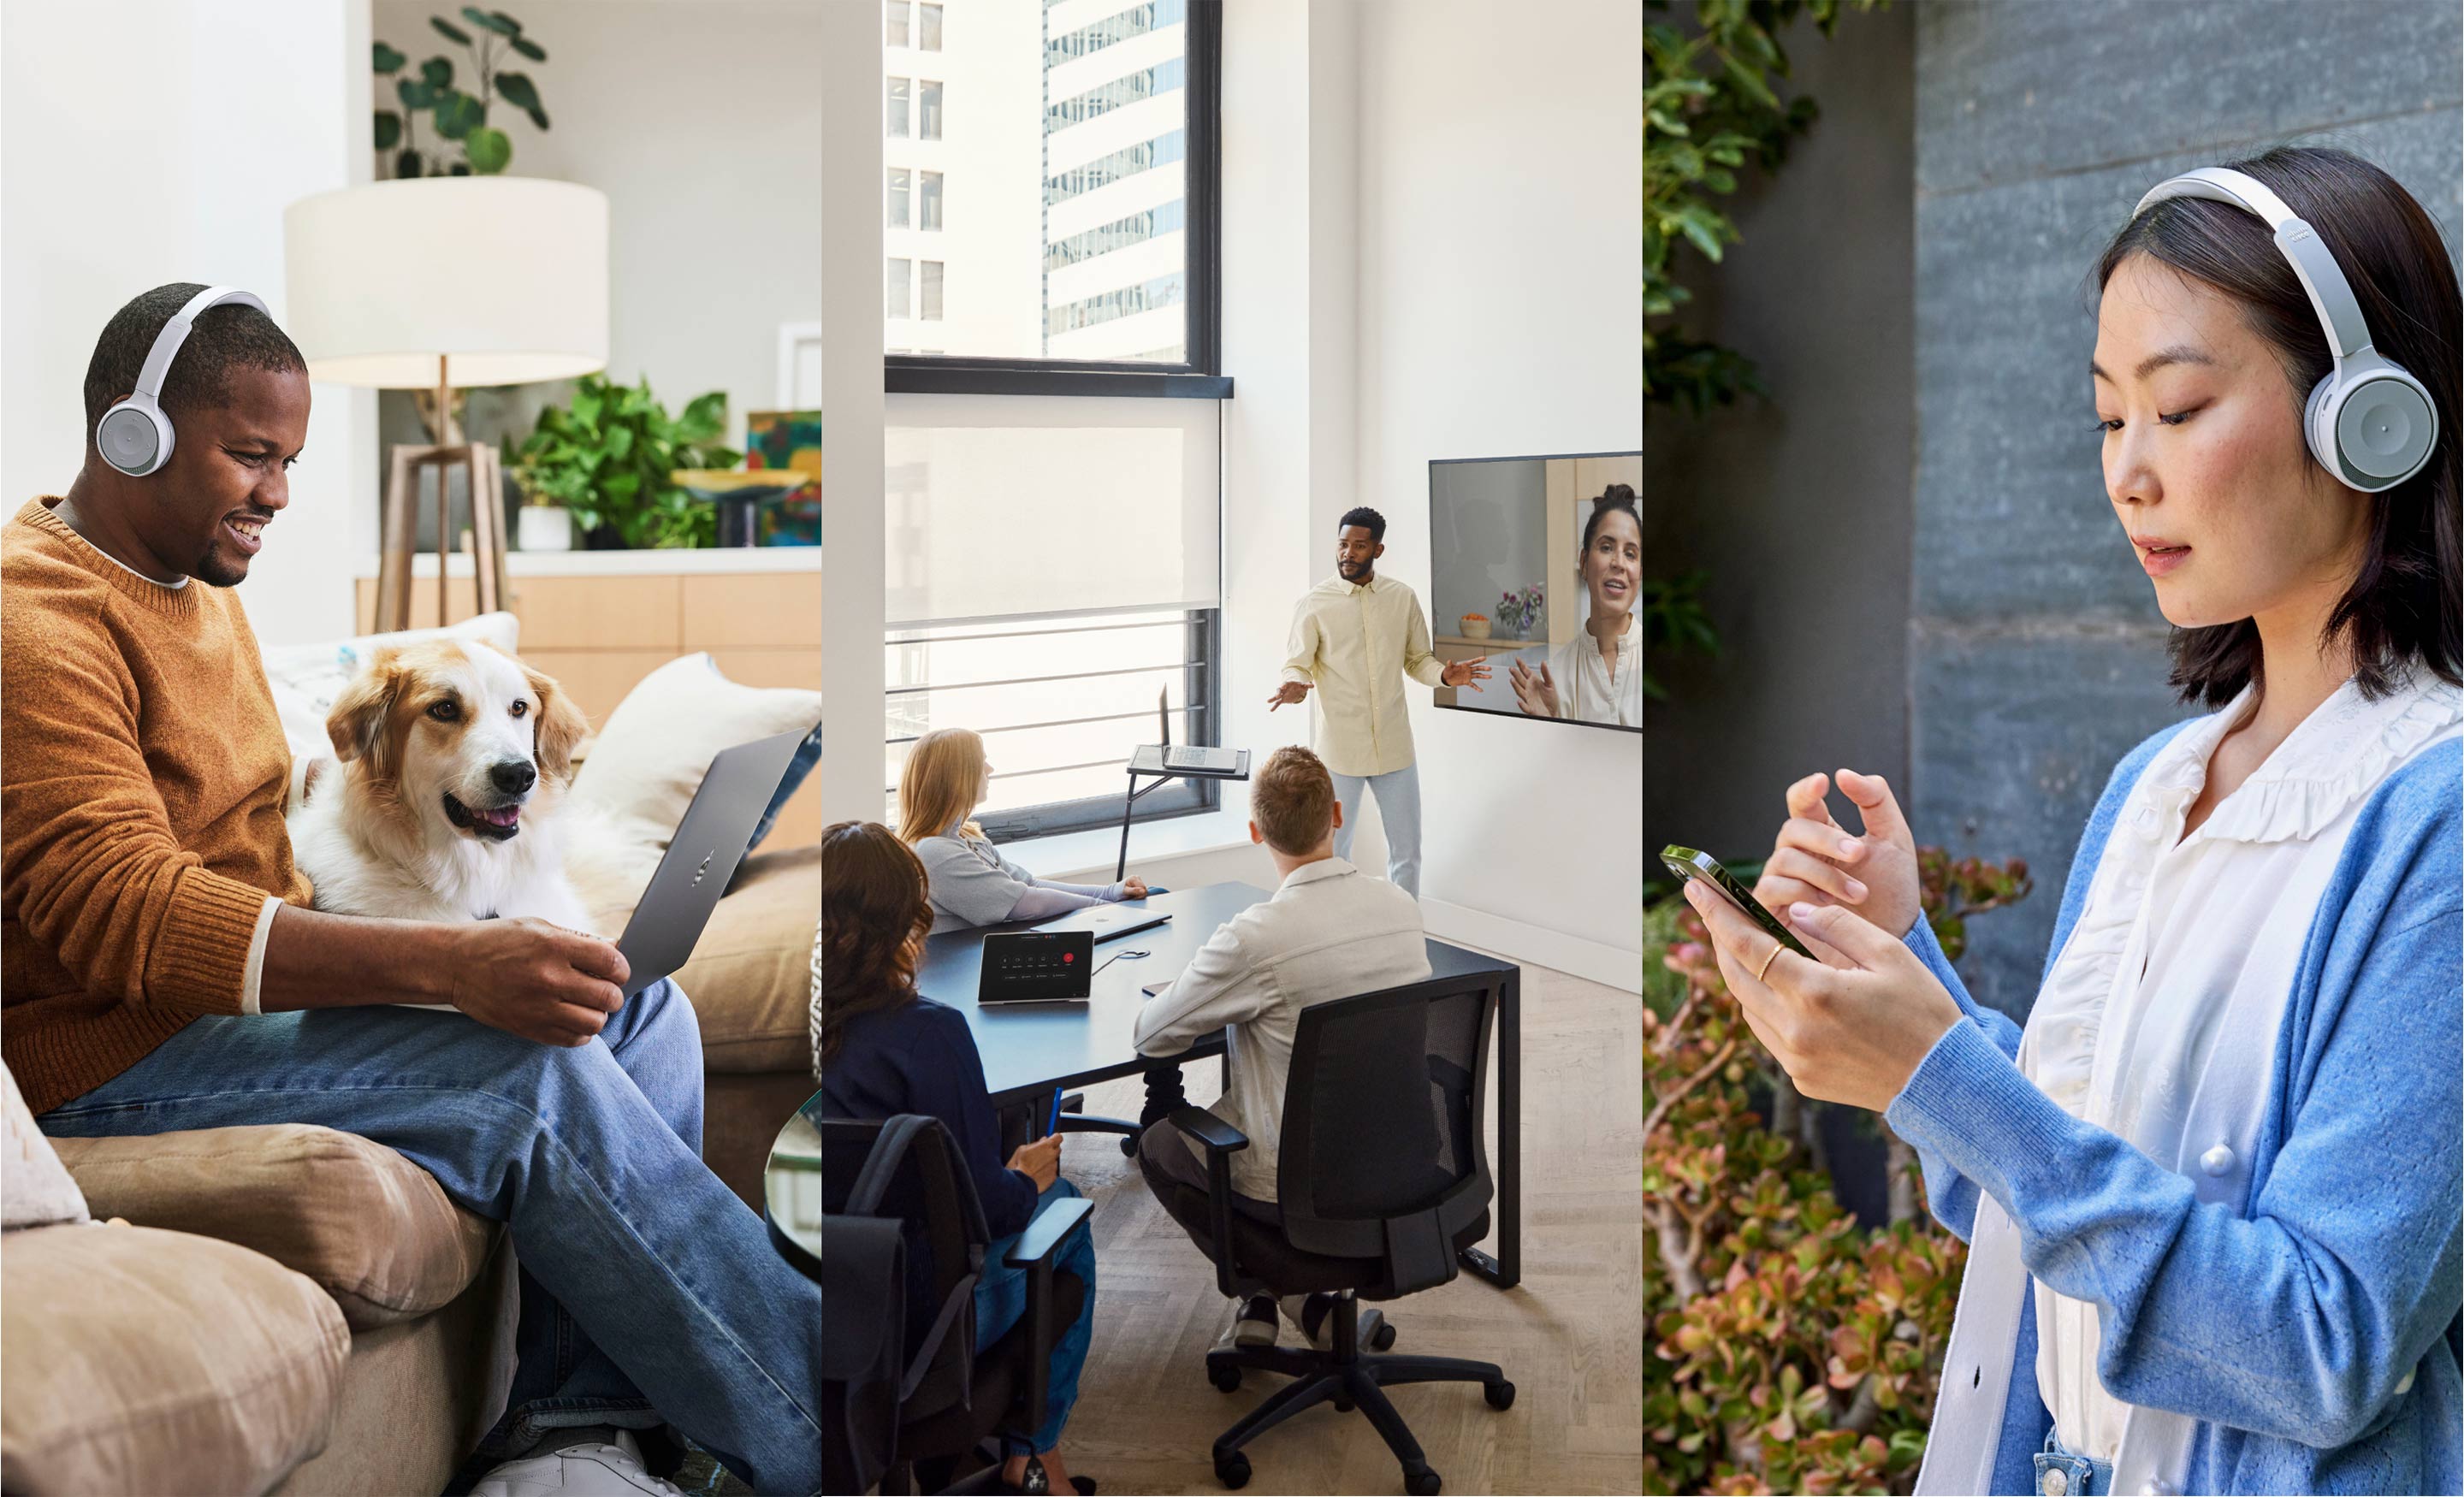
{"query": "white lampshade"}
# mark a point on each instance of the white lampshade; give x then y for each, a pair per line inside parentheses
(504, 276)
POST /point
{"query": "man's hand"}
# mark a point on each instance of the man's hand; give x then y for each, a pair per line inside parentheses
(1464, 672)
(535, 979)
(1039, 1161)
(1287, 694)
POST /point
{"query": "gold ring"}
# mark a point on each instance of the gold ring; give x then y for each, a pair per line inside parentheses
(1768, 960)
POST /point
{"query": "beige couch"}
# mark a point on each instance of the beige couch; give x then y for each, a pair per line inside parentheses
(294, 1310)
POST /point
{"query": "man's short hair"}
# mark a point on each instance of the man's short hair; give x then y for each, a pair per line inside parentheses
(231, 336)
(1364, 516)
(1292, 800)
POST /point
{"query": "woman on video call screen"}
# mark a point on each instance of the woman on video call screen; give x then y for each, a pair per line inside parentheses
(1597, 676)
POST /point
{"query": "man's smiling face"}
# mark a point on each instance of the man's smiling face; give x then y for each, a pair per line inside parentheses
(228, 476)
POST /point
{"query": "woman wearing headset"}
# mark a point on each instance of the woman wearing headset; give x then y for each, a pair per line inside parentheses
(2212, 1187)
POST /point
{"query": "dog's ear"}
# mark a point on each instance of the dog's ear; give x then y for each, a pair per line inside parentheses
(357, 724)
(561, 725)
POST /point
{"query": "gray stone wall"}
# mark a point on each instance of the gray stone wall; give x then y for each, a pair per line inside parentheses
(2035, 652)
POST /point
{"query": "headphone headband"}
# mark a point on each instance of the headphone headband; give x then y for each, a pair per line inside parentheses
(175, 332)
(2322, 279)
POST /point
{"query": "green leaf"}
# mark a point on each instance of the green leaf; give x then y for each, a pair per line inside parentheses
(407, 164)
(528, 49)
(448, 31)
(512, 27)
(414, 95)
(388, 129)
(516, 89)
(458, 114)
(538, 117)
(437, 72)
(490, 150)
(387, 60)
(487, 22)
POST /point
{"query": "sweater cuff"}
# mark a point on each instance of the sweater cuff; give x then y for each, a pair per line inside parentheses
(254, 977)
(1970, 1104)
(1928, 946)
(199, 961)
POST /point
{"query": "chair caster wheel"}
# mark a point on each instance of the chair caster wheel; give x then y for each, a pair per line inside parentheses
(1233, 1470)
(1384, 1339)
(1128, 1146)
(1500, 1394)
(1227, 1380)
(1343, 1405)
(1422, 1484)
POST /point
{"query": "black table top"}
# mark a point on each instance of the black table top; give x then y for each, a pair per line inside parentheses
(1029, 1049)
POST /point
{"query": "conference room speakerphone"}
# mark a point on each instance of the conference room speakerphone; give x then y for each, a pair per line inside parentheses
(1037, 967)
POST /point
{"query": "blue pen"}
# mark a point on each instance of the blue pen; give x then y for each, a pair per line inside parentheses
(1054, 1126)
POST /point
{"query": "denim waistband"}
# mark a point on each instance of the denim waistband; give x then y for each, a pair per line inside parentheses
(2062, 1474)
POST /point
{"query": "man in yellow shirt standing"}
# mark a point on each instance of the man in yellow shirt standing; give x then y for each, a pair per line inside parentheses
(1355, 638)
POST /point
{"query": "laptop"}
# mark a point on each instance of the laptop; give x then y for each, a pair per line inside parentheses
(701, 857)
(1203, 761)
(1107, 922)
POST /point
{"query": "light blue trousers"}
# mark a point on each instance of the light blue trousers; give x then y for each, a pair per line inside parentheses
(1399, 804)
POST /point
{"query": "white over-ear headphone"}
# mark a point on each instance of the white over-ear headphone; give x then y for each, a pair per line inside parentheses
(2368, 421)
(134, 436)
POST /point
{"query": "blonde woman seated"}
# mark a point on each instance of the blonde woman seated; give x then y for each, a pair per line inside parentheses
(947, 776)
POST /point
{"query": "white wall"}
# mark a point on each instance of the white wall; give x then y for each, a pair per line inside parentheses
(701, 120)
(1500, 314)
(152, 140)
(847, 77)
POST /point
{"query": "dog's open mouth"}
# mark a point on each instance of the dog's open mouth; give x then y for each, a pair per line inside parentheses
(498, 825)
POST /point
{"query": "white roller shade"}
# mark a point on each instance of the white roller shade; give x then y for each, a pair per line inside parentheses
(1025, 507)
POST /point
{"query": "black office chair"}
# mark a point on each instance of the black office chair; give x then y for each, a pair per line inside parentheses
(1383, 1179)
(950, 1398)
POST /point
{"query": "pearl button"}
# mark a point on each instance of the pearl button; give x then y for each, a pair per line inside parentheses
(2056, 1482)
(2219, 1160)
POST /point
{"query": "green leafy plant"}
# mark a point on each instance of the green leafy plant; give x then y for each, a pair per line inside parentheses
(1674, 618)
(1792, 1349)
(607, 458)
(458, 116)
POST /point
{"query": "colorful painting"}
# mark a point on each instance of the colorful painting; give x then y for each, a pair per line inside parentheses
(789, 440)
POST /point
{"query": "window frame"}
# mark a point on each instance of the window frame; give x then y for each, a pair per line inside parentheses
(929, 96)
(899, 271)
(905, 119)
(921, 7)
(1200, 375)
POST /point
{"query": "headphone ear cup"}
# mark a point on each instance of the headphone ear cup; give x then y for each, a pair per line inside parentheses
(2384, 429)
(134, 437)
(2318, 428)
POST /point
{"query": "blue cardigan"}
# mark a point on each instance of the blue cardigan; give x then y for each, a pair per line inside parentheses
(2317, 1340)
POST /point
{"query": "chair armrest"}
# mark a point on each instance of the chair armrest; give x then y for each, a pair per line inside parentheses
(1220, 1141)
(1043, 1236)
(1217, 1135)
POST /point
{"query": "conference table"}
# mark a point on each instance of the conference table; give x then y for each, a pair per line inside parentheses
(1030, 1048)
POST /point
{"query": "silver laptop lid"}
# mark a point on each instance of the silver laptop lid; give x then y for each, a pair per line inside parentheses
(702, 856)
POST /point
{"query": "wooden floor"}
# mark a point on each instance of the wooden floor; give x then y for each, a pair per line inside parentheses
(1569, 1336)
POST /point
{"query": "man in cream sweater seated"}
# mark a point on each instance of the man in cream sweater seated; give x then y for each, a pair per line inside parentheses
(1329, 931)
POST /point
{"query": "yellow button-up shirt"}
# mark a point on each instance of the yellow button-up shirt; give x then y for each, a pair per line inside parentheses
(1355, 645)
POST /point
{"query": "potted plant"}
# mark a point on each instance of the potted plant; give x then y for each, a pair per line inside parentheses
(1518, 611)
(606, 457)
(541, 524)
(460, 118)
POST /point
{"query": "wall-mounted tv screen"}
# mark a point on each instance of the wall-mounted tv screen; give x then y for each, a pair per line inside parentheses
(1536, 564)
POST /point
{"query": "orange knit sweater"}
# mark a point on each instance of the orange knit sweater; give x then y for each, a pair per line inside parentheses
(143, 773)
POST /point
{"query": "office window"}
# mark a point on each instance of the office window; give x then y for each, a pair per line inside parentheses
(898, 88)
(897, 303)
(894, 27)
(1086, 157)
(898, 215)
(1052, 566)
(932, 308)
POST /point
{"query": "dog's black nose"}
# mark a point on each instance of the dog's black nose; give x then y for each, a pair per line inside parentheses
(513, 775)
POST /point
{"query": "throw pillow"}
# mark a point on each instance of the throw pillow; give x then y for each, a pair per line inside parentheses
(649, 760)
(34, 1187)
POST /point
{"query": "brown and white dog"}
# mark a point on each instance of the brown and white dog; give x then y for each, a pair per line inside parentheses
(455, 757)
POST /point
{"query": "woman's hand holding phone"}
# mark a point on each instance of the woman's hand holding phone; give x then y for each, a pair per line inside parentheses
(1815, 861)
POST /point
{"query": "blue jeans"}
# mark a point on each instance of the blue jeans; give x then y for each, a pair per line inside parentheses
(640, 1274)
(1001, 1303)
(1398, 802)
(2062, 1474)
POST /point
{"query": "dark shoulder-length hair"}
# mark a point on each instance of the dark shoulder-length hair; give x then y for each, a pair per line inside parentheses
(2401, 609)
(876, 914)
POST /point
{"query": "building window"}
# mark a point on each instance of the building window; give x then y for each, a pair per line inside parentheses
(932, 310)
(894, 27)
(928, 109)
(929, 215)
(929, 27)
(1164, 291)
(1104, 170)
(1136, 21)
(897, 302)
(898, 109)
(1119, 235)
(898, 216)
(1120, 93)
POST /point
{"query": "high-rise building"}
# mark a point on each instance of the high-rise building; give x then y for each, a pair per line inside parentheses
(1116, 138)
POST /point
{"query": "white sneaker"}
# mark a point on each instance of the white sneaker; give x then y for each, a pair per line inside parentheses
(1252, 1325)
(587, 1470)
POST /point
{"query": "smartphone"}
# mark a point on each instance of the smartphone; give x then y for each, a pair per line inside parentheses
(1687, 864)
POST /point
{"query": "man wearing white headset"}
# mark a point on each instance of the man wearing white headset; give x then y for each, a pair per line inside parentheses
(164, 971)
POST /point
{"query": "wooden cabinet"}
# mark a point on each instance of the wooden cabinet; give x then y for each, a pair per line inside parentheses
(600, 635)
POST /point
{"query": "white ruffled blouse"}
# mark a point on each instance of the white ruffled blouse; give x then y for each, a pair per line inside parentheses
(2185, 954)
